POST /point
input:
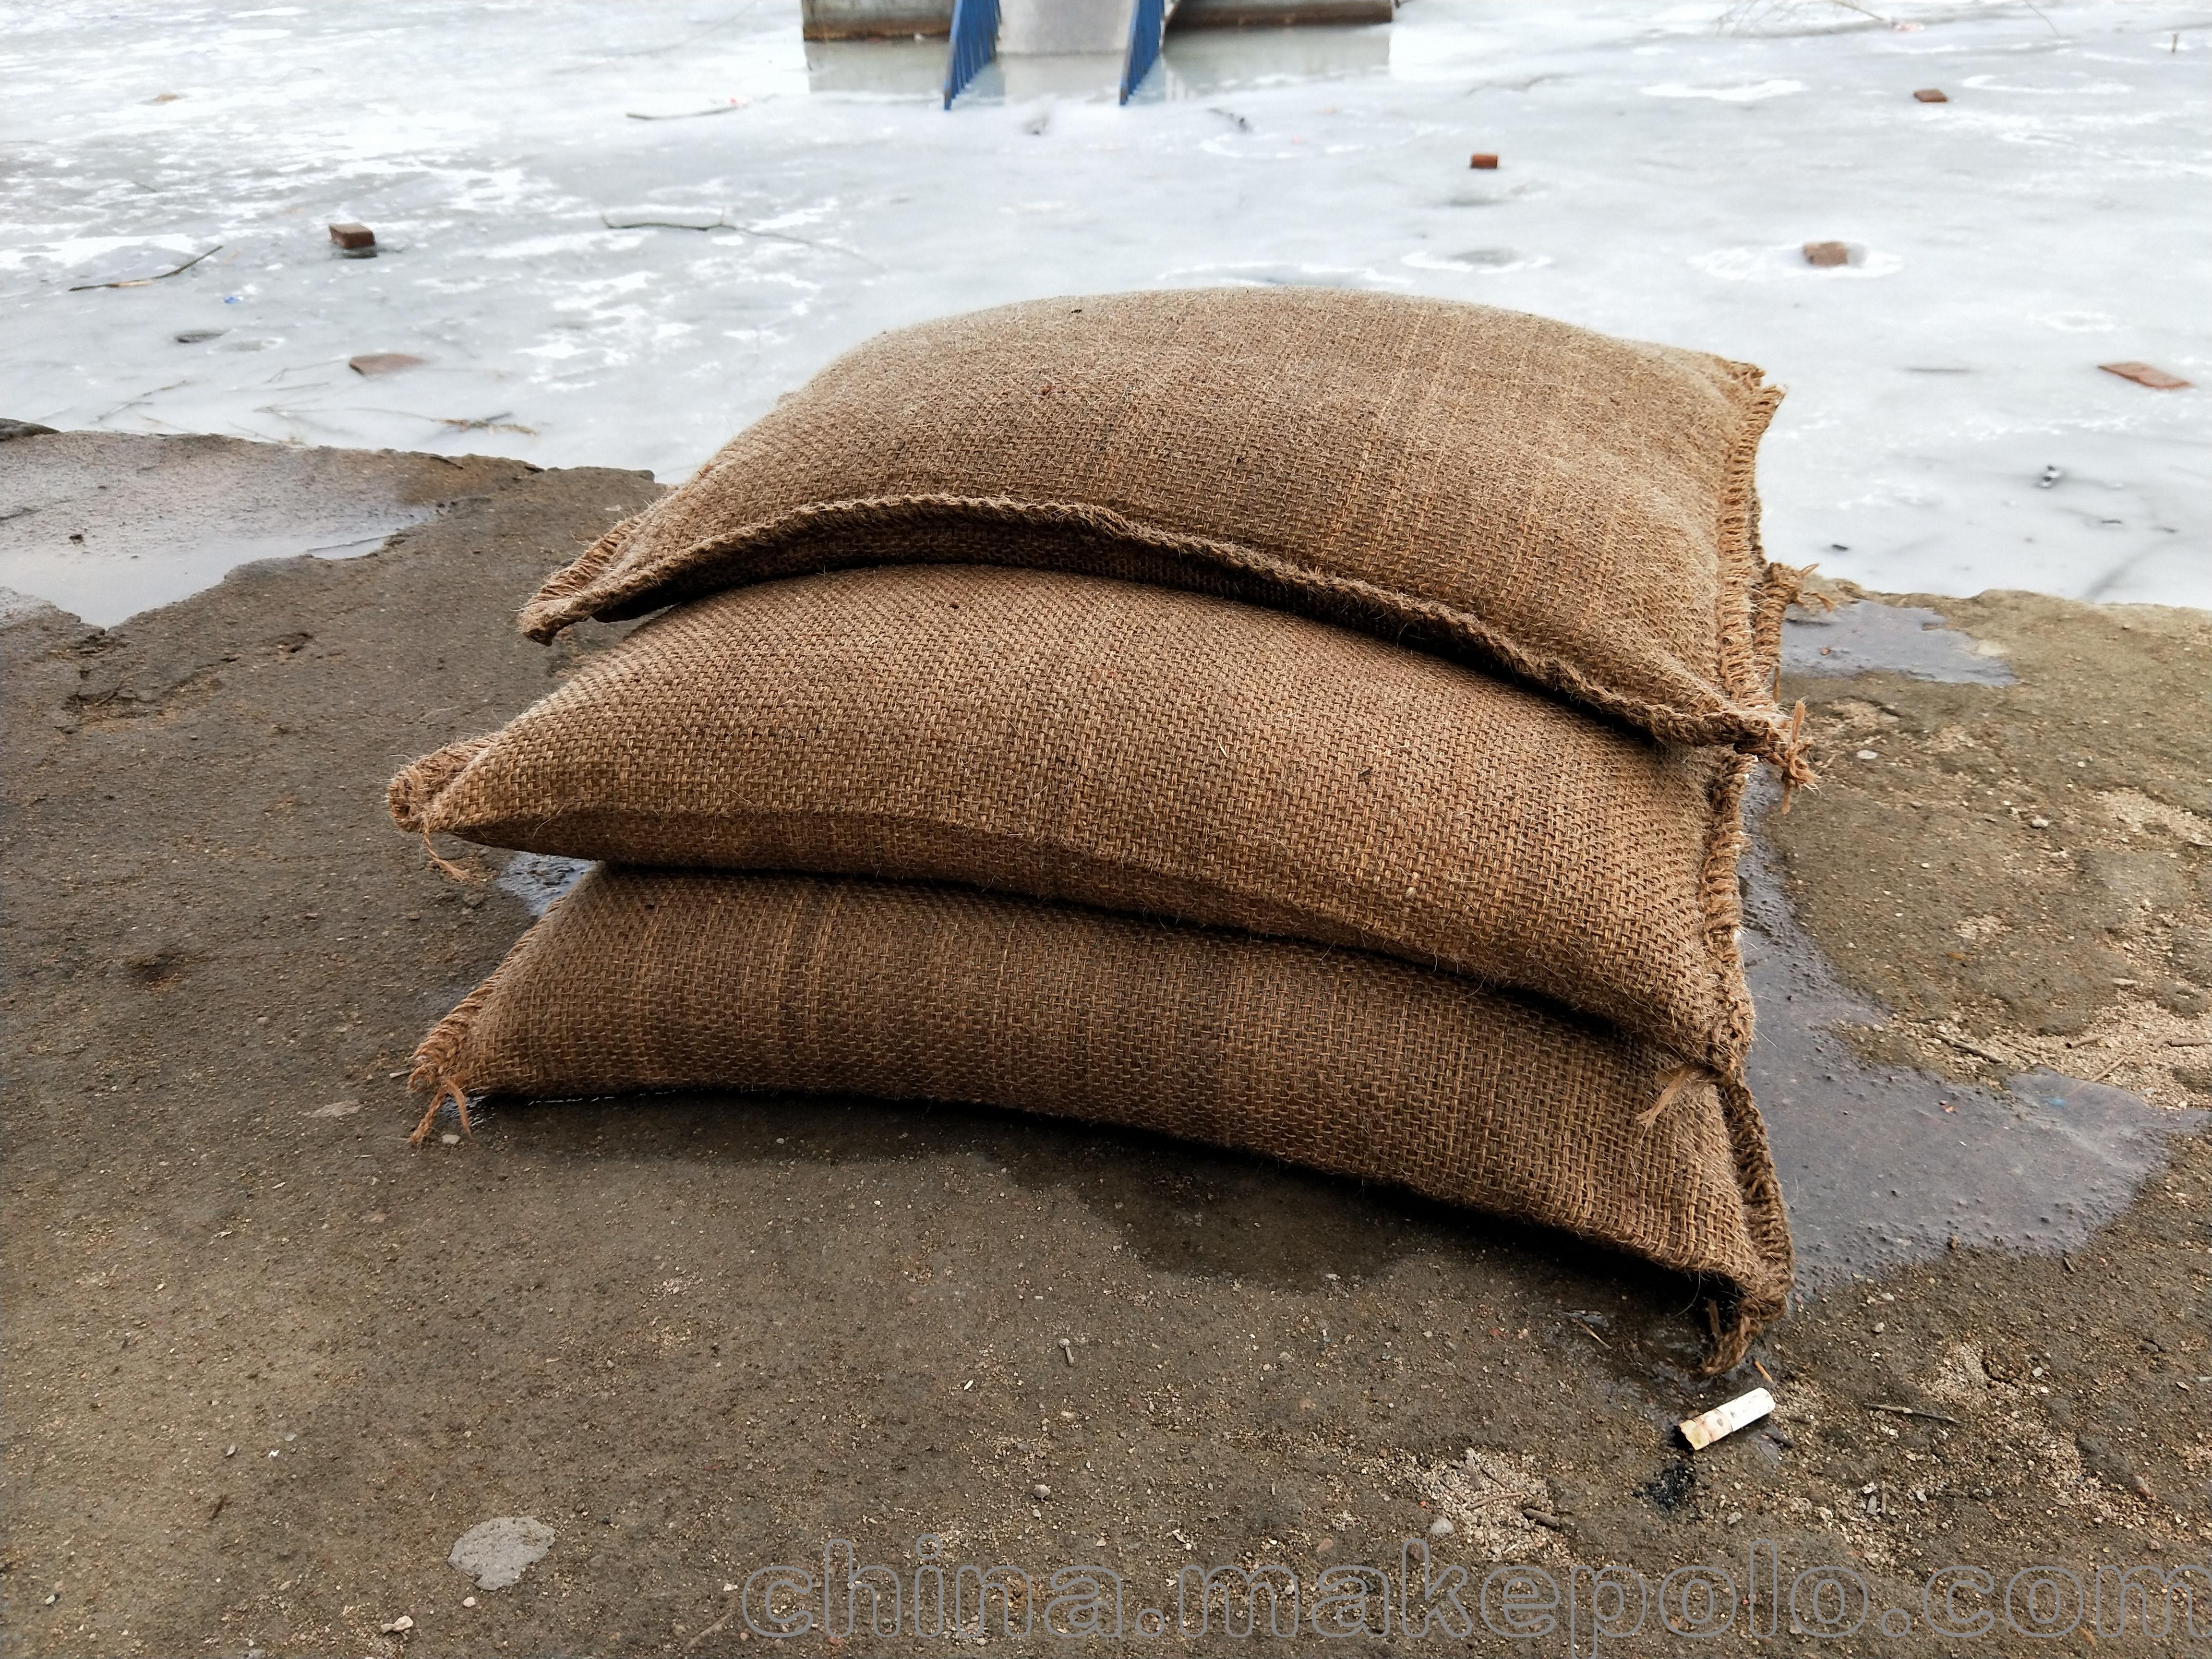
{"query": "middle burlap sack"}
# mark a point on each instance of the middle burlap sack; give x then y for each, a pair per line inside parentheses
(1144, 751)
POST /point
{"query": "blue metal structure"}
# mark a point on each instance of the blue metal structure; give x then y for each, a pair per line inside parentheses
(1148, 21)
(974, 43)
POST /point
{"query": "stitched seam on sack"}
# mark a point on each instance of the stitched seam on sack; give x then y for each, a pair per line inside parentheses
(1724, 914)
(588, 566)
(414, 793)
(1762, 1192)
(1743, 565)
(441, 1056)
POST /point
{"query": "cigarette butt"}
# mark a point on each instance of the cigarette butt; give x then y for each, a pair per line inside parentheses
(1724, 1421)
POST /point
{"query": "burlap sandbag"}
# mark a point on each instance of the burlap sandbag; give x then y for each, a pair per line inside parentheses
(1146, 751)
(1573, 509)
(1338, 1059)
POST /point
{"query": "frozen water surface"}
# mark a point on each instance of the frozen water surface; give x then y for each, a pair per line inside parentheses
(1947, 428)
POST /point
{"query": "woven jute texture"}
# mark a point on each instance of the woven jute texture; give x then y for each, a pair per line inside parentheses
(1338, 1059)
(1573, 509)
(1146, 751)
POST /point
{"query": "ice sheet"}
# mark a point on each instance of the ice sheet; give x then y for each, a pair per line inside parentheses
(1947, 429)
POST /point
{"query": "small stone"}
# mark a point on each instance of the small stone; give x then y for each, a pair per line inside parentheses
(1868, 754)
(2111, 1467)
(468, 1601)
(1442, 1528)
(1040, 1492)
(230, 1451)
(449, 1139)
(398, 1627)
(498, 1552)
(1931, 95)
(1827, 253)
(2039, 824)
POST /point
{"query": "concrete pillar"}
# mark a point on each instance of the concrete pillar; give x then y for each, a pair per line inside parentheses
(1030, 28)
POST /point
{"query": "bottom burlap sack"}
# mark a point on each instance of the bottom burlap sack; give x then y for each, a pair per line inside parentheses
(1356, 1064)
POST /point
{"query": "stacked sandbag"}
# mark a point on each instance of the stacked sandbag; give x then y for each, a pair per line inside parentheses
(1305, 721)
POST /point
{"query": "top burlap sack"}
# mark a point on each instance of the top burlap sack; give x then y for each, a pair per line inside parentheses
(1574, 510)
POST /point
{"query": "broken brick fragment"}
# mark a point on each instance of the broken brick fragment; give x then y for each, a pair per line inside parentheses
(1827, 253)
(373, 363)
(2146, 374)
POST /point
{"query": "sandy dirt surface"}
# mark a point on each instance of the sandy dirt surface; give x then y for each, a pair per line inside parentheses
(266, 1363)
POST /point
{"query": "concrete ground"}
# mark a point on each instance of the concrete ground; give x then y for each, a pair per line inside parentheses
(266, 1363)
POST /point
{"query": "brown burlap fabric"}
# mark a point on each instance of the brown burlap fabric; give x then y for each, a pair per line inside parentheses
(1340, 1060)
(1570, 508)
(1146, 750)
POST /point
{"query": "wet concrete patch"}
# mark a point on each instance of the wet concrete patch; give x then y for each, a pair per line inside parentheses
(539, 878)
(1886, 1165)
(1883, 1165)
(106, 524)
(1863, 636)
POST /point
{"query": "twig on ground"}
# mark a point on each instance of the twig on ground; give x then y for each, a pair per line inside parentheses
(711, 1629)
(1984, 1053)
(723, 223)
(685, 114)
(141, 282)
(498, 423)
